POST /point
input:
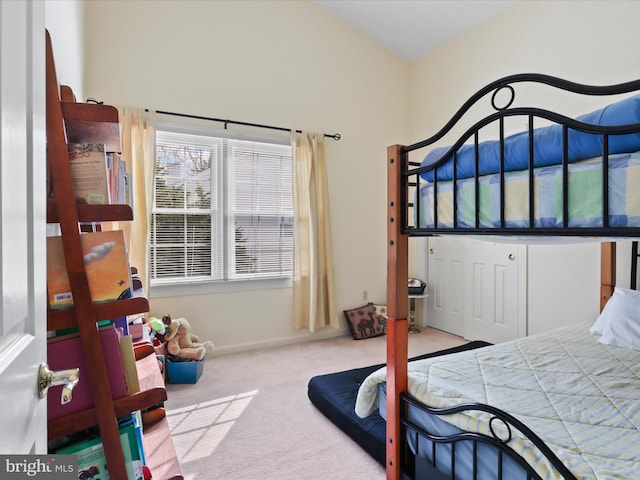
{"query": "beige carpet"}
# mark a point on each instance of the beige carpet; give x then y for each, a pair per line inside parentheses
(249, 417)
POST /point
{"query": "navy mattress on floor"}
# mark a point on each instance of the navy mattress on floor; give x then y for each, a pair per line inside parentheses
(334, 394)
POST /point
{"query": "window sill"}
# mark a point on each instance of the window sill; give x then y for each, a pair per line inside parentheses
(206, 287)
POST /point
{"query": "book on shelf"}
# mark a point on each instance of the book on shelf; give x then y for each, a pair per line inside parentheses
(122, 325)
(119, 180)
(106, 265)
(129, 364)
(91, 457)
(128, 190)
(88, 164)
(135, 419)
(64, 352)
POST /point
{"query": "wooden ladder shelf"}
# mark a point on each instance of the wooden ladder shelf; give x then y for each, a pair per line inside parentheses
(68, 121)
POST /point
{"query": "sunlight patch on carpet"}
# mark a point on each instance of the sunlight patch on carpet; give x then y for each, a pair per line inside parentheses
(198, 429)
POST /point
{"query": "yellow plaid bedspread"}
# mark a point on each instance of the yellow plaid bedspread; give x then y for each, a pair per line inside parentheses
(581, 397)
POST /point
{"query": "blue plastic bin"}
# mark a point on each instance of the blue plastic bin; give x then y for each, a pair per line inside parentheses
(184, 372)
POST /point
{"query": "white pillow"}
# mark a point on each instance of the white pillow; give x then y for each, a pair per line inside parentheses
(619, 322)
(614, 306)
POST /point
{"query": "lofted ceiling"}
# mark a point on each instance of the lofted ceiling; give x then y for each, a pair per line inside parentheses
(413, 28)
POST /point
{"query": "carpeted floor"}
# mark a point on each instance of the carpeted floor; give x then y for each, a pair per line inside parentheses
(249, 416)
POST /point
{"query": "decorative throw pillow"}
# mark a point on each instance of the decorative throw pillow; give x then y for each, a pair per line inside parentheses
(363, 322)
(381, 311)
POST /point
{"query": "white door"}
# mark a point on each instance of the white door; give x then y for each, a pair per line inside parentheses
(496, 303)
(445, 282)
(23, 420)
(477, 289)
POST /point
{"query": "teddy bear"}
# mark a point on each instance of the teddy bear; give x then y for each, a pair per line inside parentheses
(182, 343)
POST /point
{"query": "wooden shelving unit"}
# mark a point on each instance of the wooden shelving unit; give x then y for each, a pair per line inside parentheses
(68, 121)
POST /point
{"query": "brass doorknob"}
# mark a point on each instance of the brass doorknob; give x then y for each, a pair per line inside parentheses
(67, 378)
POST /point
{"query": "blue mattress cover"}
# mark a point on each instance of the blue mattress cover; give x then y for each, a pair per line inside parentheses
(585, 202)
(547, 145)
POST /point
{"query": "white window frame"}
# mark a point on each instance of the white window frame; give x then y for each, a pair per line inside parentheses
(197, 286)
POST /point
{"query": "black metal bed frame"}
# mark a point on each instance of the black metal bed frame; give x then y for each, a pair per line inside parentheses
(410, 177)
(410, 462)
(634, 264)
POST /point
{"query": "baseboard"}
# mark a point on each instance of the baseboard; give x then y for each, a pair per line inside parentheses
(279, 342)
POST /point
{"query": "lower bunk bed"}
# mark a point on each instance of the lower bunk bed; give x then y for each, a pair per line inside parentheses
(559, 405)
(580, 395)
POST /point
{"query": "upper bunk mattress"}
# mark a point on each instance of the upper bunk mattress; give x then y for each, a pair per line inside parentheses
(580, 396)
(584, 201)
(547, 145)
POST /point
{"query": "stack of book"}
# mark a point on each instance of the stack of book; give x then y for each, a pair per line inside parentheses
(119, 180)
(65, 352)
(99, 177)
(108, 276)
(90, 451)
(89, 173)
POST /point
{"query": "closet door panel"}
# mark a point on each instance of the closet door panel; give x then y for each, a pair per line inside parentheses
(496, 287)
(445, 281)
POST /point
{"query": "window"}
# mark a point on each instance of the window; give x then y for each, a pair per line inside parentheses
(223, 208)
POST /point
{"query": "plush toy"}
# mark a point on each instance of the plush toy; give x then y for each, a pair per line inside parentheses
(166, 320)
(182, 343)
(157, 325)
(157, 331)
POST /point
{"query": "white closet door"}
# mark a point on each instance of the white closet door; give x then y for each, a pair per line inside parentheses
(477, 289)
(495, 279)
(445, 281)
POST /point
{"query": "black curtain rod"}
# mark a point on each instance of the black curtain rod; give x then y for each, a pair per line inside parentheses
(335, 136)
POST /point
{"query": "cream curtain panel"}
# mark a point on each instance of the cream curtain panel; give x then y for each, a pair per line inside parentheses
(313, 282)
(138, 151)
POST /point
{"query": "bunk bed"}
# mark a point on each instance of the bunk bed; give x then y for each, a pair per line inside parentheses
(562, 178)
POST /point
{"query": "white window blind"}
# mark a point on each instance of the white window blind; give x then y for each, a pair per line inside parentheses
(223, 209)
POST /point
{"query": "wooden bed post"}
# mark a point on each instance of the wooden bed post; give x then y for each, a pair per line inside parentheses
(397, 307)
(607, 271)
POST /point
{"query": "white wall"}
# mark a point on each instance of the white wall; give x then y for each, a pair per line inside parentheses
(593, 42)
(285, 63)
(584, 41)
(290, 63)
(65, 20)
